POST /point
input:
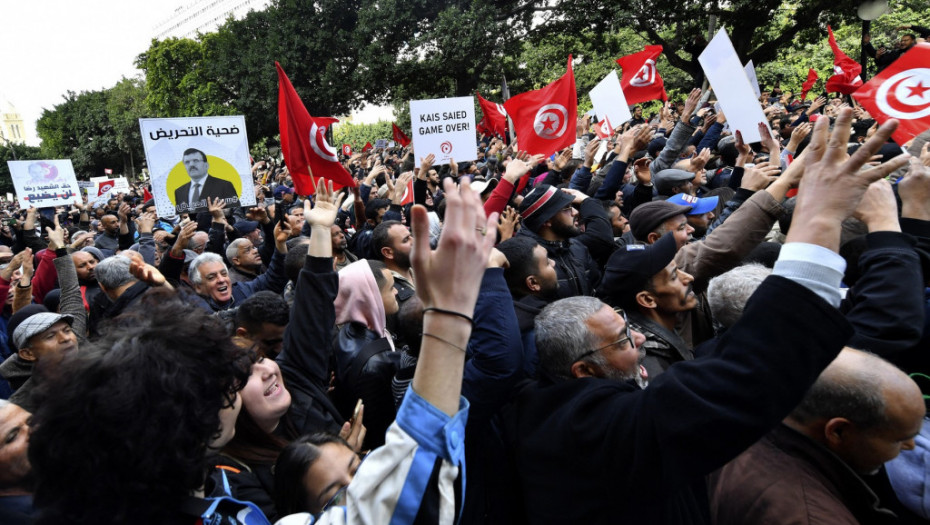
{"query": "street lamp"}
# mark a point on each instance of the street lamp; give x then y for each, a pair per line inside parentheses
(9, 145)
(868, 11)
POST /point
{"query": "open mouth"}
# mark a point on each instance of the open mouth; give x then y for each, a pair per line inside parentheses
(273, 389)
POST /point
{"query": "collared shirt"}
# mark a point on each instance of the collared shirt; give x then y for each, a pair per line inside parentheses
(195, 190)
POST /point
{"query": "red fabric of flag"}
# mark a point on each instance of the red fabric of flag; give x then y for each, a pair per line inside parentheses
(303, 141)
(901, 91)
(368, 147)
(495, 116)
(846, 71)
(545, 119)
(809, 83)
(399, 136)
(604, 129)
(146, 196)
(641, 81)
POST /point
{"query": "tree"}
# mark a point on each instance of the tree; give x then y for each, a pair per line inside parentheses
(22, 152)
(125, 106)
(357, 135)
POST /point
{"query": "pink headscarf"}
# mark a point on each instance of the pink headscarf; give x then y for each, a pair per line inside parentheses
(359, 299)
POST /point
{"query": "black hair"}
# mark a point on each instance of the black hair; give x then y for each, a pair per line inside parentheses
(371, 209)
(290, 496)
(380, 237)
(295, 259)
(377, 268)
(191, 151)
(519, 253)
(123, 426)
(262, 307)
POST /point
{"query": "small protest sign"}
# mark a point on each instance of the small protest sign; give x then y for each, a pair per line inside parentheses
(444, 127)
(44, 183)
(732, 88)
(193, 159)
(609, 102)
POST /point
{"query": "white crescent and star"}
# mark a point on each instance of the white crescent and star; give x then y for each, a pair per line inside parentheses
(551, 121)
(319, 145)
(646, 74)
(905, 95)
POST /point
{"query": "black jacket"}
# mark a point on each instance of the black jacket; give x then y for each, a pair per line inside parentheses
(305, 355)
(574, 258)
(599, 451)
(213, 187)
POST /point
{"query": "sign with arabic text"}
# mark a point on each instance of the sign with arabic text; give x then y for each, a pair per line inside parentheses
(194, 159)
(44, 183)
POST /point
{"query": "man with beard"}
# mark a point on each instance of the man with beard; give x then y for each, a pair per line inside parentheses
(533, 283)
(16, 479)
(645, 281)
(391, 242)
(550, 219)
(342, 257)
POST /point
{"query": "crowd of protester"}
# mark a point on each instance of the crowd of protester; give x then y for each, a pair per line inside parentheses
(666, 326)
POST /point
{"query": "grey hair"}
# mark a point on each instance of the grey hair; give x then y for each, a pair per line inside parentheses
(728, 292)
(233, 249)
(3, 403)
(113, 272)
(851, 392)
(562, 334)
(192, 245)
(207, 257)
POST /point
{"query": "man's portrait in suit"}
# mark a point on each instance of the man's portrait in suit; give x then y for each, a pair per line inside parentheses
(202, 185)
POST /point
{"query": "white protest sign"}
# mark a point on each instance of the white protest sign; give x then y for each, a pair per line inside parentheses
(609, 101)
(44, 183)
(9, 197)
(197, 158)
(117, 184)
(751, 75)
(733, 90)
(444, 127)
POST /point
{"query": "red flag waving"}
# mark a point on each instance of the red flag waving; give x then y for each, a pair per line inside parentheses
(603, 129)
(846, 71)
(399, 136)
(105, 186)
(146, 196)
(368, 147)
(901, 91)
(809, 83)
(545, 119)
(641, 81)
(303, 141)
(347, 150)
(495, 116)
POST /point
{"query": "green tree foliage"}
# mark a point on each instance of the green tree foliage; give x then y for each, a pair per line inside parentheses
(357, 135)
(80, 129)
(22, 152)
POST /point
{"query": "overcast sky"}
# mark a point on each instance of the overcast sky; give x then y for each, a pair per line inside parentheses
(52, 46)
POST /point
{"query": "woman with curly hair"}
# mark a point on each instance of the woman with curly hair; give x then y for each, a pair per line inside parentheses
(124, 427)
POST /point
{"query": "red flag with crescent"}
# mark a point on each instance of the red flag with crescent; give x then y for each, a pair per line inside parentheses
(901, 91)
(495, 116)
(846, 71)
(809, 83)
(105, 186)
(399, 136)
(604, 129)
(303, 141)
(347, 150)
(641, 81)
(546, 119)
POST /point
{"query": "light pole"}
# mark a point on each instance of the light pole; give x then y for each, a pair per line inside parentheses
(868, 11)
(9, 145)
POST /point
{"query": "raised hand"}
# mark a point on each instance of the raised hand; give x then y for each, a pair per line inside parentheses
(324, 211)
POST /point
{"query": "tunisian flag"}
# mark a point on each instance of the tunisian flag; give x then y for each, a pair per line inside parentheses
(495, 116)
(846, 71)
(809, 83)
(399, 136)
(641, 81)
(545, 119)
(901, 91)
(303, 141)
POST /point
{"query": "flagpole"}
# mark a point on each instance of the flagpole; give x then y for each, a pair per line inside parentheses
(505, 94)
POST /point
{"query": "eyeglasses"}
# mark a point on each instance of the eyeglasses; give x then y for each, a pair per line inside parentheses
(626, 338)
(339, 498)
